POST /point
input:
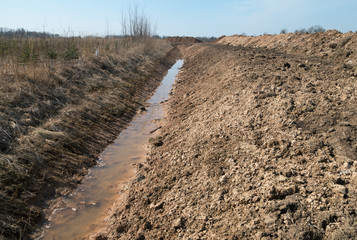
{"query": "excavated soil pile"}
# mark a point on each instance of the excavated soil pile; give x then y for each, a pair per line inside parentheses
(257, 144)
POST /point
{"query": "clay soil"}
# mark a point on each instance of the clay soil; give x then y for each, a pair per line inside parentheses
(259, 142)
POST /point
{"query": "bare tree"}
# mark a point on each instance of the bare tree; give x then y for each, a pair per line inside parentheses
(136, 23)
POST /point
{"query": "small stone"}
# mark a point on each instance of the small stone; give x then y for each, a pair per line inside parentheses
(140, 178)
(333, 45)
(179, 223)
(158, 206)
(269, 219)
(300, 180)
(331, 130)
(287, 65)
(281, 178)
(259, 235)
(347, 165)
(223, 179)
(148, 225)
(288, 173)
(158, 143)
(340, 189)
(101, 237)
(141, 237)
(340, 181)
(345, 124)
(121, 228)
(282, 193)
(309, 189)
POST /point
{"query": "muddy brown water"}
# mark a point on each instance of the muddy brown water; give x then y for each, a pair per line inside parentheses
(84, 211)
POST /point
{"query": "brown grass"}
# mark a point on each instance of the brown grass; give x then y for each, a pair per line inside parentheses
(60, 104)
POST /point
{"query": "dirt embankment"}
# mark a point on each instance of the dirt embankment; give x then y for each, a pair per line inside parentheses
(330, 44)
(53, 129)
(257, 144)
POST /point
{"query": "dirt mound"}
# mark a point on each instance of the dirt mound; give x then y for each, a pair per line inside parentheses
(257, 144)
(183, 40)
(331, 43)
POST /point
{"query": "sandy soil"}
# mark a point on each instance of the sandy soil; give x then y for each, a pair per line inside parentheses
(258, 143)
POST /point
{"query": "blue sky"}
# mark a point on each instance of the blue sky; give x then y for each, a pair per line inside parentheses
(180, 17)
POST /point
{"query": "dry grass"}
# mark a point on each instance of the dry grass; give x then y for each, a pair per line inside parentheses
(60, 104)
(37, 56)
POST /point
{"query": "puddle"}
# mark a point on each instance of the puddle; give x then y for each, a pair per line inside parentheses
(84, 211)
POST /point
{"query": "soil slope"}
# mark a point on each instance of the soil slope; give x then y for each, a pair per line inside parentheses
(257, 144)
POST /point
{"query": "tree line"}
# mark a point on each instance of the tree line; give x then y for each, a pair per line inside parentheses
(7, 32)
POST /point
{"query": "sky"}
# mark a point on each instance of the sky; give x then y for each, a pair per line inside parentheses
(179, 17)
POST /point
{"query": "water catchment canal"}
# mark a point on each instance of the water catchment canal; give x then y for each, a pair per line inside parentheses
(86, 208)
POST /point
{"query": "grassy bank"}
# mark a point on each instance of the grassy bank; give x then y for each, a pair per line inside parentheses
(62, 100)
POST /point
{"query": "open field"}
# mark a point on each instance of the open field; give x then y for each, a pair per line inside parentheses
(259, 142)
(62, 101)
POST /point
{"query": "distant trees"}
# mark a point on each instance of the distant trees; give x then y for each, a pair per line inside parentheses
(136, 24)
(313, 29)
(206, 39)
(7, 32)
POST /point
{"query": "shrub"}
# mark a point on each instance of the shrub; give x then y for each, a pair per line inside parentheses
(27, 53)
(51, 54)
(284, 31)
(301, 31)
(315, 29)
(72, 52)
